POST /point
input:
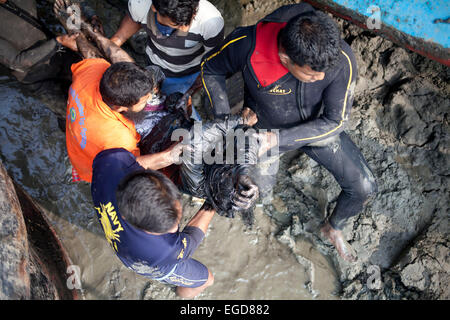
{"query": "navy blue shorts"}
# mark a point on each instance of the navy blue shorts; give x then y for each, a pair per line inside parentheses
(188, 273)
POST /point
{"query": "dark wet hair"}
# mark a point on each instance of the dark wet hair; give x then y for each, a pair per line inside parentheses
(180, 12)
(222, 180)
(124, 84)
(312, 39)
(146, 199)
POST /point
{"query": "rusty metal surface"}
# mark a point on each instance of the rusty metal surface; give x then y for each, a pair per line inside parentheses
(419, 25)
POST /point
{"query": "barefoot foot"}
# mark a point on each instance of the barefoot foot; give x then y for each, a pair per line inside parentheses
(337, 239)
(68, 14)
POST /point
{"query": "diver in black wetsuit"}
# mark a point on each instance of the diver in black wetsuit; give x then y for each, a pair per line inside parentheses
(299, 79)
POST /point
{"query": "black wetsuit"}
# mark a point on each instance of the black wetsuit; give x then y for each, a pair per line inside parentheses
(309, 116)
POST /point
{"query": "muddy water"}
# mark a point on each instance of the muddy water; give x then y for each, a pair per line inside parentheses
(247, 264)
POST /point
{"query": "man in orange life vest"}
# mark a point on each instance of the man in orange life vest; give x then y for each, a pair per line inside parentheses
(299, 79)
(102, 98)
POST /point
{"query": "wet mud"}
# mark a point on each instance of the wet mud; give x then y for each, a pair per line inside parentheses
(400, 122)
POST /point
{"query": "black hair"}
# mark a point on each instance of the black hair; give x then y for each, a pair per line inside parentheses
(312, 39)
(181, 12)
(125, 83)
(147, 200)
(222, 180)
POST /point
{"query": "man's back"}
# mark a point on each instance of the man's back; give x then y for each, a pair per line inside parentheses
(151, 255)
(92, 126)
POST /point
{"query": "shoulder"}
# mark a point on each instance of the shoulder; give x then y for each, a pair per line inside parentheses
(109, 168)
(237, 44)
(348, 60)
(116, 159)
(207, 9)
(208, 20)
(287, 12)
(242, 37)
(90, 66)
(138, 10)
(347, 52)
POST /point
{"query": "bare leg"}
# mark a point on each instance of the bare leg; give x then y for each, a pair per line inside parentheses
(66, 17)
(111, 51)
(189, 293)
(73, 21)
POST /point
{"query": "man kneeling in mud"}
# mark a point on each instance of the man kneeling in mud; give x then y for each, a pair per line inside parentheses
(140, 211)
(299, 78)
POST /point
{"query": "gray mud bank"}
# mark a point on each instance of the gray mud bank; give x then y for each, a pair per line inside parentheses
(400, 122)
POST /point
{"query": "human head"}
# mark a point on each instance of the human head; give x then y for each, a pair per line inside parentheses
(309, 45)
(176, 14)
(126, 87)
(149, 201)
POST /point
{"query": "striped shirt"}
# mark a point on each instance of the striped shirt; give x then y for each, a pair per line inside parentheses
(180, 53)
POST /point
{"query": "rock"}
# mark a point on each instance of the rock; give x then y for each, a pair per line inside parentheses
(425, 266)
(33, 261)
(14, 254)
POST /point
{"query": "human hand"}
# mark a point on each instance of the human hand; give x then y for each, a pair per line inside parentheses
(68, 41)
(68, 14)
(249, 117)
(267, 140)
(246, 195)
(97, 25)
(174, 152)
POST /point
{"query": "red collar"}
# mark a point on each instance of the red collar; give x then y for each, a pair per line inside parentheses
(265, 61)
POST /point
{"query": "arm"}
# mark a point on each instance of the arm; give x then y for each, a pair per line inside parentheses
(337, 100)
(226, 59)
(111, 51)
(202, 218)
(127, 28)
(87, 50)
(195, 231)
(214, 33)
(23, 60)
(161, 159)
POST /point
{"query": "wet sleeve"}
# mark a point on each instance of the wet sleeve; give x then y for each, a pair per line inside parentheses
(87, 11)
(191, 237)
(337, 99)
(24, 60)
(225, 60)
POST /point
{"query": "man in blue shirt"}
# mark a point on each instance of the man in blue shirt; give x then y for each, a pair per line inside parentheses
(140, 211)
